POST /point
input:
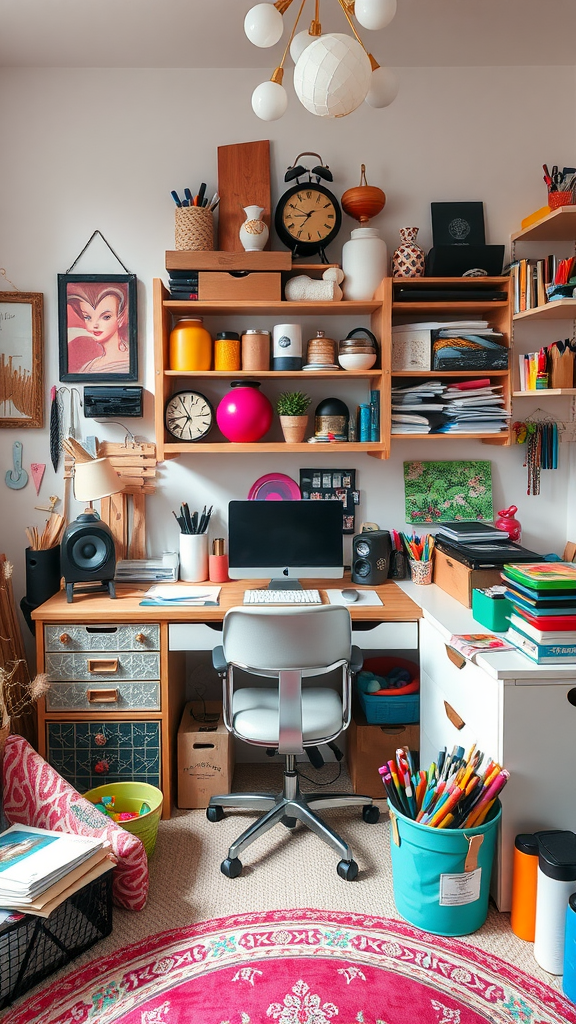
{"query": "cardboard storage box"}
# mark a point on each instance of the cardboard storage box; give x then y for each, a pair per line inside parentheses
(249, 285)
(458, 580)
(370, 746)
(205, 755)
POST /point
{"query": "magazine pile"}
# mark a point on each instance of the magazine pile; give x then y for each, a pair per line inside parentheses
(40, 869)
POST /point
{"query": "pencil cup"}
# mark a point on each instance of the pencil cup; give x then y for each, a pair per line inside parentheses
(557, 199)
(421, 572)
(194, 228)
(193, 557)
(218, 566)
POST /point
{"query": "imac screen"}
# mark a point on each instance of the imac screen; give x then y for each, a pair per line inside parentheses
(285, 539)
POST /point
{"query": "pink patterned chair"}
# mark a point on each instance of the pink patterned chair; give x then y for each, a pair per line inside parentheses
(35, 794)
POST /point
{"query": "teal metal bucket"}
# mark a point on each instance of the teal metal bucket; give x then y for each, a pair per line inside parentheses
(441, 876)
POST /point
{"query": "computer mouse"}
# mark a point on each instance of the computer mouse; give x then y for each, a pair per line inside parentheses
(350, 596)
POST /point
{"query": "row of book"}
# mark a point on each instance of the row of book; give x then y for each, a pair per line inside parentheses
(183, 285)
(434, 407)
(39, 869)
(530, 280)
(543, 617)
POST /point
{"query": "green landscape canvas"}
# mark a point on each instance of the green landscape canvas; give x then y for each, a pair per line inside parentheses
(438, 492)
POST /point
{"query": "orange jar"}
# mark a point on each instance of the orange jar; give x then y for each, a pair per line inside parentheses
(227, 351)
(190, 345)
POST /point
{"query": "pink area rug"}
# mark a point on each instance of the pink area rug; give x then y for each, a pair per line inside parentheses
(297, 967)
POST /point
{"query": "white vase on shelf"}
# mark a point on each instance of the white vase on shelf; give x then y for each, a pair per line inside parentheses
(364, 262)
(254, 232)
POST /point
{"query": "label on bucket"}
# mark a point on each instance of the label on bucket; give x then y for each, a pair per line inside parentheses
(456, 890)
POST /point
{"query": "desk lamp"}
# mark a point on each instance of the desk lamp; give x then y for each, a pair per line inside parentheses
(87, 553)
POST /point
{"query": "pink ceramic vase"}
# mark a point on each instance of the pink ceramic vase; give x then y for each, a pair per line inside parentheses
(244, 414)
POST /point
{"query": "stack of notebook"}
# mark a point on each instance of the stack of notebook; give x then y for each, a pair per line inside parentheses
(543, 620)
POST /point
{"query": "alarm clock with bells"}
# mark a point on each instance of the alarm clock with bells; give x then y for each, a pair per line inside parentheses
(308, 217)
(188, 416)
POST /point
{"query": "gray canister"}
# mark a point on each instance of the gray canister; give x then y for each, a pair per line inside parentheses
(556, 883)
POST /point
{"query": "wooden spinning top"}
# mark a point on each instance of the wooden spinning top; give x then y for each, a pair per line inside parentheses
(364, 201)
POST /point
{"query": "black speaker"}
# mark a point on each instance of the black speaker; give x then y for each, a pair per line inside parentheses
(87, 555)
(371, 557)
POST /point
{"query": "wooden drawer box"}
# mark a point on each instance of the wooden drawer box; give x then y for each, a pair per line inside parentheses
(370, 746)
(238, 285)
(458, 580)
(89, 754)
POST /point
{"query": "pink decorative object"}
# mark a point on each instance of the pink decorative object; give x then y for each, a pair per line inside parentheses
(244, 414)
(35, 794)
(508, 524)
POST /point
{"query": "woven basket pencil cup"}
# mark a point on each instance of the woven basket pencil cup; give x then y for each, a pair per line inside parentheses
(194, 228)
(421, 572)
(557, 199)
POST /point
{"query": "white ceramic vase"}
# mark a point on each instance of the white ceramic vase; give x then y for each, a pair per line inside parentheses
(364, 262)
(254, 232)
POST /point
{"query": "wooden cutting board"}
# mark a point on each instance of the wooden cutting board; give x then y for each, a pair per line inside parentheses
(243, 180)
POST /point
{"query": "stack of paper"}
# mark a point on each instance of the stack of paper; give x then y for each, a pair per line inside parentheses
(39, 869)
(417, 409)
(182, 594)
(148, 570)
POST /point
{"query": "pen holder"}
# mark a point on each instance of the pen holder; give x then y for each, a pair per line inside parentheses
(194, 228)
(561, 367)
(218, 568)
(421, 572)
(193, 557)
(557, 199)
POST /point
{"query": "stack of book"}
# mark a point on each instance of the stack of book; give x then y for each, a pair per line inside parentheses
(183, 285)
(40, 869)
(543, 620)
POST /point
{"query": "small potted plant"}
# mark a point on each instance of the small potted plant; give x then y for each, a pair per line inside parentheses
(291, 407)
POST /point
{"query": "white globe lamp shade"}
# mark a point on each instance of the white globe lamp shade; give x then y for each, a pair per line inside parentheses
(375, 14)
(332, 75)
(299, 43)
(269, 101)
(383, 88)
(263, 25)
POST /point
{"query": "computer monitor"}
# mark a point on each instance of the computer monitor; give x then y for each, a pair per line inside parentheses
(285, 540)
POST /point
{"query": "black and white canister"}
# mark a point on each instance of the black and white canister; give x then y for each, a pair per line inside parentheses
(287, 347)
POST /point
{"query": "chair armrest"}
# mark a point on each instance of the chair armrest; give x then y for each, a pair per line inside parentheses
(219, 661)
(356, 659)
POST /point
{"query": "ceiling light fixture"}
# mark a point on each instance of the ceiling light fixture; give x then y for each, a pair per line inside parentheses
(333, 71)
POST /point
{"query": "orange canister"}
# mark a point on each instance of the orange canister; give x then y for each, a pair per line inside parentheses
(190, 345)
(227, 351)
(524, 880)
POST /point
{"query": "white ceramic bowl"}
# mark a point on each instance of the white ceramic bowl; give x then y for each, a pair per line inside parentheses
(357, 360)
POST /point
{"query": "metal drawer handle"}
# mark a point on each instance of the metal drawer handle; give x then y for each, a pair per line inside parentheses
(102, 665)
(453, 716)
(102, 696)
(455, 657)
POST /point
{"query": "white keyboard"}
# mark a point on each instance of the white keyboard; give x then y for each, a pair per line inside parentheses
(282, 597)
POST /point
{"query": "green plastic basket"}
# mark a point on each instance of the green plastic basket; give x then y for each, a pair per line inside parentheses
(129, 797)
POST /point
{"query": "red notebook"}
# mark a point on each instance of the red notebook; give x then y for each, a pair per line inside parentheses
(548, 622)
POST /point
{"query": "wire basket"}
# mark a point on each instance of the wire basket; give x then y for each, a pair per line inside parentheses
(129, 796)
(194, 228)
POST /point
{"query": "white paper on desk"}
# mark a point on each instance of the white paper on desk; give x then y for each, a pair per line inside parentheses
(366, 598)
(178, 594)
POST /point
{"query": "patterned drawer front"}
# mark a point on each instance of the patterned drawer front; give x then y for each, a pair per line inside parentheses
(99, 665)
(104, 697)
(127, 637)
(89, 754)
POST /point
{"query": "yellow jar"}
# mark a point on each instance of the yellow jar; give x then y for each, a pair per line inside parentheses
(227, 351)
(190, 345)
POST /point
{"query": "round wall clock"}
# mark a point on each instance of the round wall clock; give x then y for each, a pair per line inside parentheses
(188, 416)
(308, 217)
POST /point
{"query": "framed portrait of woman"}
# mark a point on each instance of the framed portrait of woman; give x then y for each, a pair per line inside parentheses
(97, 324)
(21, 398)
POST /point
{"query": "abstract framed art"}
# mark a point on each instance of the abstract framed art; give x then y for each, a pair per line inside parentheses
(97, 325)
(21, 398)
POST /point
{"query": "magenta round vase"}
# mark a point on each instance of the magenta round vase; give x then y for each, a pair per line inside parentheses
(244, 414)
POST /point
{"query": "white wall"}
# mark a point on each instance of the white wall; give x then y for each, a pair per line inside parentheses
(87, 149)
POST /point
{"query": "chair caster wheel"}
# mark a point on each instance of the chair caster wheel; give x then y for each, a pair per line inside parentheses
(288, 822)
(370, 814)
(347, 869)
(231, 868)
(214, 813)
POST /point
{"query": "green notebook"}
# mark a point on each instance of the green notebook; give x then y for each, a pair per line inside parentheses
(544, 575)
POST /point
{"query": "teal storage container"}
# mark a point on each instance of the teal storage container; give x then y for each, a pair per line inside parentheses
(492, 612)
(432, 890)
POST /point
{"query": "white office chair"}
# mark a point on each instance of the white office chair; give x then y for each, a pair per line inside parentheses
(290, 645)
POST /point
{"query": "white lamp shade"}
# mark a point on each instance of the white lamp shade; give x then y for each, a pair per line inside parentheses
(95, 479)
(375, 14)
(383, 88)
(299, 43)
(263, 25)
(269, 101)
(332, 75)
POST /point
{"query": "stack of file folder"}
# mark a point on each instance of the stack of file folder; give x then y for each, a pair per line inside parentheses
(433, 407)
(543, 619)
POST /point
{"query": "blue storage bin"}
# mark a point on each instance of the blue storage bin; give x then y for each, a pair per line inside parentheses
(390, 710)
(421, 855)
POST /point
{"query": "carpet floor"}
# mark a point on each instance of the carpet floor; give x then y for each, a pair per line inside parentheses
(282, 871)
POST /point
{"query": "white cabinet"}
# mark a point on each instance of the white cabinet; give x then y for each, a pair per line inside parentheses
(527, 724)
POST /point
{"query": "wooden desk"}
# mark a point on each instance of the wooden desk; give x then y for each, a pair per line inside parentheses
(118, 688)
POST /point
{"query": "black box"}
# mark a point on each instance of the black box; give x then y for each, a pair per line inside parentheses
(107, 402)
(34, 947)
(457, 223)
